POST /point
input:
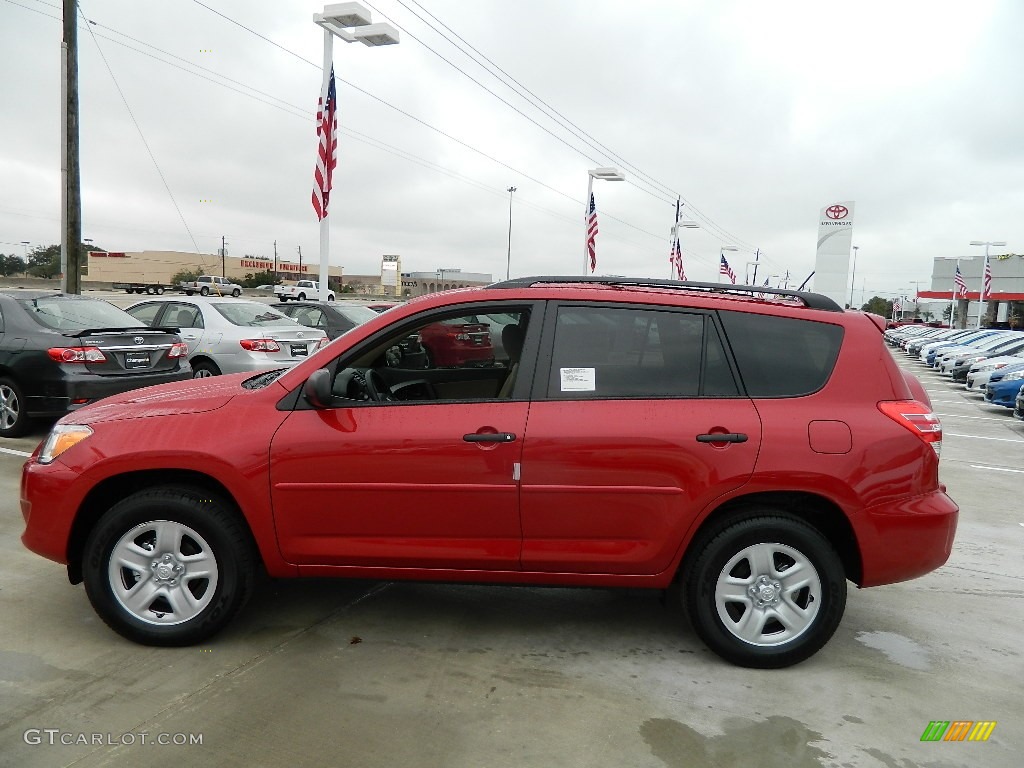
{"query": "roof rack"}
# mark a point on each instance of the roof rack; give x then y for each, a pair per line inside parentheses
(810, 300)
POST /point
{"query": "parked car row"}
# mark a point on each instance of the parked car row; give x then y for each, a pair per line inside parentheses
(988, 361)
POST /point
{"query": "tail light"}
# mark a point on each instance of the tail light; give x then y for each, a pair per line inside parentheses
(179, 349)
(916, 417)
(260, 345)
(76, 355)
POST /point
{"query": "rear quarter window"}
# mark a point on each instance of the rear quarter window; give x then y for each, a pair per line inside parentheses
(782, 356)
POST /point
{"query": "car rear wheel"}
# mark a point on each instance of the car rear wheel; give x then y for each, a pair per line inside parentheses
(168, 566)
(765, 592)
(302, 297)
(14, 421)
(202, 369)
(204, 291)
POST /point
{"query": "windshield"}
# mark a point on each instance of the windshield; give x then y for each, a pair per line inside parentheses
(251, 314)
(67, 313)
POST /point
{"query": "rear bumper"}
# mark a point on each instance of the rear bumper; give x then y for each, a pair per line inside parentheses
(906, 540)
(59, 395)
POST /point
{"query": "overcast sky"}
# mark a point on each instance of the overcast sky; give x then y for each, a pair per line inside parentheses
(758, 114)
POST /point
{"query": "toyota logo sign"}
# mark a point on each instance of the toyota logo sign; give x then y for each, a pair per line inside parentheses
(139, 339)
(837, 212)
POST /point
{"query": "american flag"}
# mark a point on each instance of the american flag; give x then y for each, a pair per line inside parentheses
(762, 294)
(960, 286)
(592, 232)
(677, 260)
(725, 269)
(897, 307)
(326, 159)
(987, 283)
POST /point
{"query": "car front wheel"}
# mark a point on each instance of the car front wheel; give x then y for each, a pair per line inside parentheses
(168, 566)
(765, 592)
(236, 293)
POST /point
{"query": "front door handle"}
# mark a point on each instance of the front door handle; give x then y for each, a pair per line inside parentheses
(489, 437)
(723, 437)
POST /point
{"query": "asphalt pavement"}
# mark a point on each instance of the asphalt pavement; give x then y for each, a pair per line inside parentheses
(318, 673)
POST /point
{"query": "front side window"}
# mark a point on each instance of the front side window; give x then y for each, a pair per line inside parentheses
(633, 352)
(465, 356)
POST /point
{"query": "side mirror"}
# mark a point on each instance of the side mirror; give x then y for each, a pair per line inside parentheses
(317, 389)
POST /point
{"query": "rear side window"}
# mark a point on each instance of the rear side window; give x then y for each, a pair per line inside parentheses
(636, 353)
(782, 356)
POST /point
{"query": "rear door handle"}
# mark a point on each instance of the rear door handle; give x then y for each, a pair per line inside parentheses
(723, 437)
(489, 437)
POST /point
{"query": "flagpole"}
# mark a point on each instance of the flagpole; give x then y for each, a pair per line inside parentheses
(586, 223)
(325, 231)
(981, 296)
(952, 298)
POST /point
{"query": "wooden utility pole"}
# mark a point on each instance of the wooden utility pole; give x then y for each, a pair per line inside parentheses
(71, 197)
(223, 255)
(275, 259)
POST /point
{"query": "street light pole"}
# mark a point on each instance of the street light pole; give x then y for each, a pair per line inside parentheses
(351, 22)
(853, 278)
(604, 174)
(984, 271)
(508, 261)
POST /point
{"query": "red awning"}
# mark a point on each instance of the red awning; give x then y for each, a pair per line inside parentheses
(971, 295)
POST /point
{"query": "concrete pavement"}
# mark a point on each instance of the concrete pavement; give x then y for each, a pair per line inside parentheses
(341, 673)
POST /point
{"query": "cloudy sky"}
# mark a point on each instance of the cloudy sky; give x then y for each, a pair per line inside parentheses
(758, 114)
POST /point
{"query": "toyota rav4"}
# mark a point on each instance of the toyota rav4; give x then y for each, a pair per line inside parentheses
(748, 450)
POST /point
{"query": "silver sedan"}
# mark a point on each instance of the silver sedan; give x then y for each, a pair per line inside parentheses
(231, 336)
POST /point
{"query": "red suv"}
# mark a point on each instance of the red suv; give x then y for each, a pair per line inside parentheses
(749, 454)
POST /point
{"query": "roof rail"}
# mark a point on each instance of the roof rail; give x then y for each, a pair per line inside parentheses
(810, 300)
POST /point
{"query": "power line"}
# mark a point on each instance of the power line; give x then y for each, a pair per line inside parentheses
(141, 135)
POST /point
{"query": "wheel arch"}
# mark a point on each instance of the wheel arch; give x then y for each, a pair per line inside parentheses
(113, 489)
(815, 510)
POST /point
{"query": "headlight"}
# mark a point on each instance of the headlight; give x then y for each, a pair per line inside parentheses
(62, 437)
(1014, 376)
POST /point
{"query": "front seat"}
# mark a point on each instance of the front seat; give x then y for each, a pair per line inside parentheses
(512, 340)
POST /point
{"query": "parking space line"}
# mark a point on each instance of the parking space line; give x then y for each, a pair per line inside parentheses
(13, 452)
(974, 418)
(978, 437)
(996, 469)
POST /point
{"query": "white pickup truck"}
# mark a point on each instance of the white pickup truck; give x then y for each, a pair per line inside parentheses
(300, 291)
(204, 285)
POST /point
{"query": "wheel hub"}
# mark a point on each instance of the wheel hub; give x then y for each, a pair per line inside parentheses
(765, 592)
(167, 570)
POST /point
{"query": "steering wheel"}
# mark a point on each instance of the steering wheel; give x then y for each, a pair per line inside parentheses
(376, 388)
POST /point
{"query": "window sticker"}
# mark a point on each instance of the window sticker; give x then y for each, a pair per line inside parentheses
(578, 379)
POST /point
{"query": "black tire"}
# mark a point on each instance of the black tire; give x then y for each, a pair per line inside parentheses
(301, 297)
(159, 290)
(780, 543)
(204, 291)
(202, 369)
(151, 290)
(330, 297)
(148, 604)
(236, 293)
(129, 290)
(14, 420)
(189, 293)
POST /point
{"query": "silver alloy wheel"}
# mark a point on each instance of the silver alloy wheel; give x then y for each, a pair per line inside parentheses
(10, 408)
(768, 594)
(202, 373)
(163, 573)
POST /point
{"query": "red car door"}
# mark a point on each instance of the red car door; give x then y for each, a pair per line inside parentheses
(639, 425)
(408, 486)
